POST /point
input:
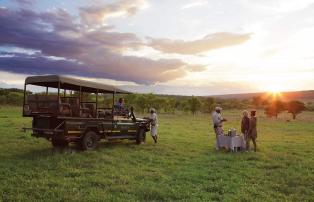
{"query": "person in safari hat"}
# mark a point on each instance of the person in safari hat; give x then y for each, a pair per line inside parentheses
(217, 122)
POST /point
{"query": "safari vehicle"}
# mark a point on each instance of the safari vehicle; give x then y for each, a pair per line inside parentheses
(68, 116)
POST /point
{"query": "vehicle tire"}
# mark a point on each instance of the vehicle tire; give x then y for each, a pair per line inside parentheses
(89, 141)
(140, 137)
(59, 143)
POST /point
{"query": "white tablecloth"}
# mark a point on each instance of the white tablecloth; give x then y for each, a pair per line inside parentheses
(230, 142)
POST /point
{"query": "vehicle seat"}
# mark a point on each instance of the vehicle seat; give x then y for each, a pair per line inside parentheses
(105, 114)
(52, 103)
(65, 108)
(75, 103)
(42, 103)
(88, 110)
(32, 102)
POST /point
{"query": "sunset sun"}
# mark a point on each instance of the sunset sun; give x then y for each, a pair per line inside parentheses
(275, 89)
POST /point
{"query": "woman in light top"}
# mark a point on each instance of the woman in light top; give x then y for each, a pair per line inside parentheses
(245, 124)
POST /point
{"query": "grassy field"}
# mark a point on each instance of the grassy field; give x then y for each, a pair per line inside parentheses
(182, 166)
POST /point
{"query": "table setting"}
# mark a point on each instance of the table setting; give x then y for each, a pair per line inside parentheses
(231, 141)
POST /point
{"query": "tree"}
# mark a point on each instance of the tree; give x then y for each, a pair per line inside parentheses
(170, 105)
(194, 104)
(15, 98)
(309, 106)
(275, 108)
(257, 101)
(295, 108)
(208, 104)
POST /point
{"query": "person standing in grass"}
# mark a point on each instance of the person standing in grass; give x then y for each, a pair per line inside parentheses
(153, 124)
(217, 122)
(252, 133)
(245, 124)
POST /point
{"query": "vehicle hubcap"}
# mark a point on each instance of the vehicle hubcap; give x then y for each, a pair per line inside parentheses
(90, 142)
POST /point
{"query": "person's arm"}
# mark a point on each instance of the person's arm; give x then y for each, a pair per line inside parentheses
(247, 124)
(148, 119)
(222, 119)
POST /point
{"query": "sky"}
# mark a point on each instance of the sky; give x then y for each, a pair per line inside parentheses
(182, 47)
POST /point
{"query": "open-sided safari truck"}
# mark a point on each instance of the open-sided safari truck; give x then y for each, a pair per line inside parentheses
(67, 115)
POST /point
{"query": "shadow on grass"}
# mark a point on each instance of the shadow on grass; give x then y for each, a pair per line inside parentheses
(49, 151)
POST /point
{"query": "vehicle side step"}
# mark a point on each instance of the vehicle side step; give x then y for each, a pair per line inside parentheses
(121, 137)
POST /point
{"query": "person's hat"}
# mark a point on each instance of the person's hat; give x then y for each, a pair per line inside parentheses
(152, 110)
(218, 108)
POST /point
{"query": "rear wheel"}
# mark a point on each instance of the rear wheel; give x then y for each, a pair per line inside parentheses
(89, 141)
(140, 137)
(59, 142)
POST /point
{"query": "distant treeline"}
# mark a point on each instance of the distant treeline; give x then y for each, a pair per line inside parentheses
(172, 103)
(11, 96)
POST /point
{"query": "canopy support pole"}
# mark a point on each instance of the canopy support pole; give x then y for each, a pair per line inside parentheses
(59, 100)
(113, 105)
(80, 101)
(97, 104)
(24, 98)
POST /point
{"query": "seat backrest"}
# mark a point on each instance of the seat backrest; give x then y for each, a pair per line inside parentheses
(32, 102)
(65, 109)
(91, 108)
(75, 105)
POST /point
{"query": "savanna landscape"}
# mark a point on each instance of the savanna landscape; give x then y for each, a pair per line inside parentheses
(149, 100)
(183, 165)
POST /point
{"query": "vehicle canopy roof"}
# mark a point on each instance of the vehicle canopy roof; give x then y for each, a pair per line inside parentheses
(70, 83)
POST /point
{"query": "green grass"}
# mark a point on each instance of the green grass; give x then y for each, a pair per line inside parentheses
(182, 166)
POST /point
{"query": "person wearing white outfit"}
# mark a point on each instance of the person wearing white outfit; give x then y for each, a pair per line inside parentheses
(217, 122)
(153, 124)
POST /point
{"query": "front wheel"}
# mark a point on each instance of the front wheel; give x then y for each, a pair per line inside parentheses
(141, 136)
(89, 141)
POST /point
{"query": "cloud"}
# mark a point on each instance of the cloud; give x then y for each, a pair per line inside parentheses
(213, 88)
(194, 4)
(95, 15)
(207, 43)
(278, 6)
(143, 71)
(25, 2)
(61, 45)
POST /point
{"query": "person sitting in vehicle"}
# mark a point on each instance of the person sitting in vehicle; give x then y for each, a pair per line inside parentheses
(119, 108)
(121, 103)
